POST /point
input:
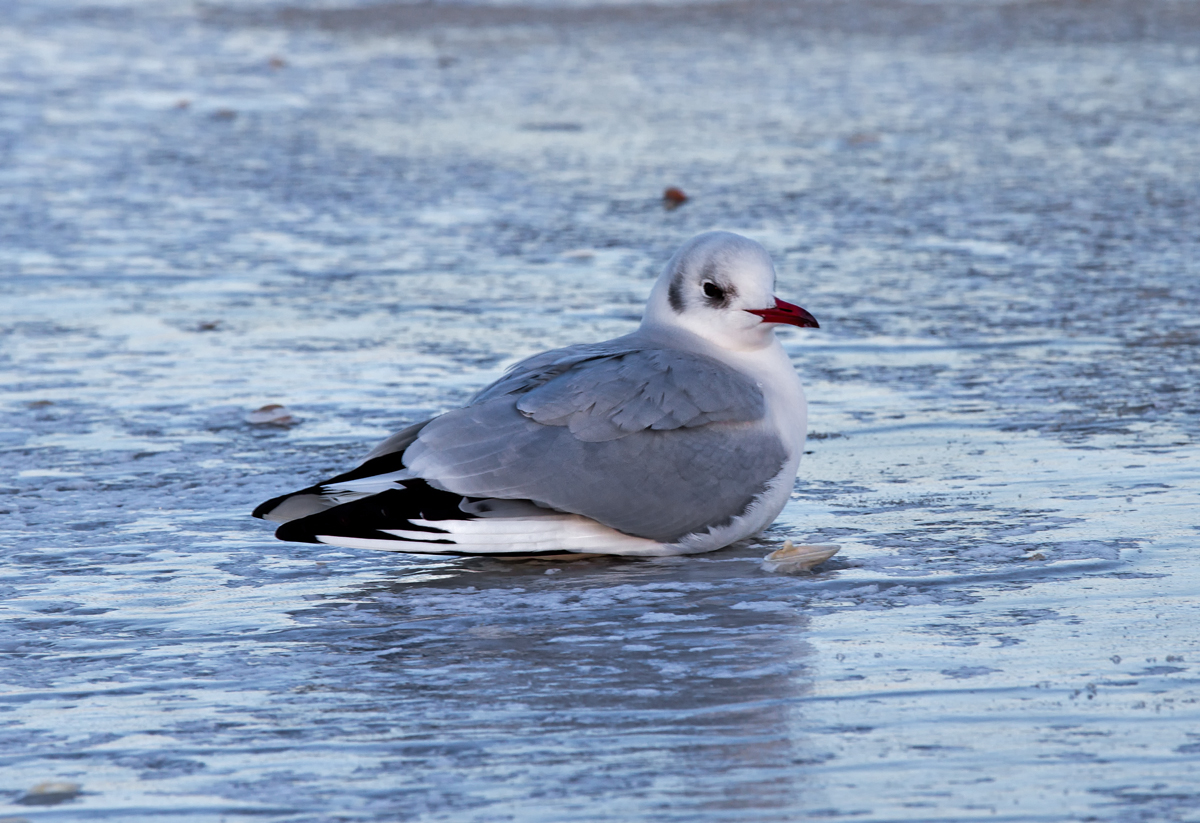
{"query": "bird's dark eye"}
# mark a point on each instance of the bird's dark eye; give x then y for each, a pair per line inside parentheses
(714, 291)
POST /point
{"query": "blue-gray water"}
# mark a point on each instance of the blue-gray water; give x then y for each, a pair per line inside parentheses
(365, 212)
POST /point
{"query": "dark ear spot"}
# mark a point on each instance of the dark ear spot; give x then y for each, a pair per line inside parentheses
(675, 292)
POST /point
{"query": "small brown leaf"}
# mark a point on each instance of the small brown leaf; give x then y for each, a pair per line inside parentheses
(862, 138)
(272, 414)
(673, 198)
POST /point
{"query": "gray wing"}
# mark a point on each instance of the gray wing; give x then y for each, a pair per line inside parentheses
(398, 442)
(541, 368)
(655, 443)
(651, 389)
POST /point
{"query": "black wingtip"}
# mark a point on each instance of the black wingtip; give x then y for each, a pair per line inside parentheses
(266, 508)
(296, 532)
(384, 463)
(391, 509)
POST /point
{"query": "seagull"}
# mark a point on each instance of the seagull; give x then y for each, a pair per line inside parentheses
(682, 437)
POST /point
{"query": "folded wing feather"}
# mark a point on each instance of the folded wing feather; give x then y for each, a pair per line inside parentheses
(616, 436)
(654, 442)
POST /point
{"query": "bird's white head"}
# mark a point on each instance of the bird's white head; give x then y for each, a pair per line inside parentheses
(720, 286)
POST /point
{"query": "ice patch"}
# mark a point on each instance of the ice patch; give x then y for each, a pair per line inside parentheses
(667, 617)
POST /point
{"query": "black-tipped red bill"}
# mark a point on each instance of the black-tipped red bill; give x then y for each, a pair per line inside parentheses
(788, 313)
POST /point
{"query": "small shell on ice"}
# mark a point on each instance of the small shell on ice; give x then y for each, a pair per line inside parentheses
(272, 414)
(50, 793)
(802, 558)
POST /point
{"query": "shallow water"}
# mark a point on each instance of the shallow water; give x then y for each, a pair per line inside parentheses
(367, 212)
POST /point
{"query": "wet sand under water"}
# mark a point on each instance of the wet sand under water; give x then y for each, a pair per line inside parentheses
(365, 212)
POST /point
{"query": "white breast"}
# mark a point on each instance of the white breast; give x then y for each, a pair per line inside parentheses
(787, 417)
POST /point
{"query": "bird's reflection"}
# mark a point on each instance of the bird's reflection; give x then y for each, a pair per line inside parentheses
(673, 680)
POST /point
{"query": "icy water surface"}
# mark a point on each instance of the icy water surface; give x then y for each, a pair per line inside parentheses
(366, 211)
